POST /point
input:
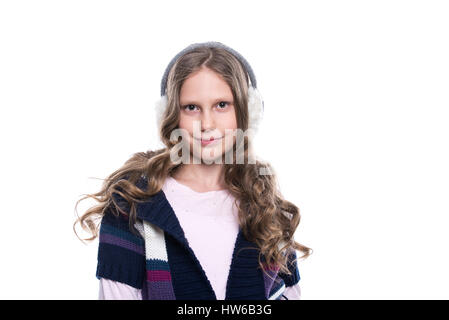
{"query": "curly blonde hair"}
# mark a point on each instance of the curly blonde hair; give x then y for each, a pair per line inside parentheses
(265, 217)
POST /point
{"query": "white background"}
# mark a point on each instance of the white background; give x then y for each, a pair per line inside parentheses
(356, 127)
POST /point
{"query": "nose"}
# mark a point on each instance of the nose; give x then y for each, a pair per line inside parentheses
(207, 120)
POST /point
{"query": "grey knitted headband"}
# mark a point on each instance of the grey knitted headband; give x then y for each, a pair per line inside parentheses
(213, 44)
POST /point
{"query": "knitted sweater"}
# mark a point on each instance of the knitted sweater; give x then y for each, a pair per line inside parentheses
(193, 210)
(179, 274)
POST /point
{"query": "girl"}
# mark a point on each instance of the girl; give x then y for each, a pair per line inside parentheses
(200, 218)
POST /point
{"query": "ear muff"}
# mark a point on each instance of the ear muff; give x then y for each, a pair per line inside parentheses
(255, 100)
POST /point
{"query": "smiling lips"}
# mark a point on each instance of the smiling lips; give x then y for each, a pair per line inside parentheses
(205, 142)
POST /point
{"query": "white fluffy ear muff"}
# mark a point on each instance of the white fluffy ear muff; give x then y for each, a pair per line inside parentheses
(161, 106)
(255, 109)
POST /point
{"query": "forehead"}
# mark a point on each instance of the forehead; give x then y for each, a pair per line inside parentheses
(205, 85)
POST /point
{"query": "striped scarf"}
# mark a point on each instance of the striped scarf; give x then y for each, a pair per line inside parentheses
(159, 260)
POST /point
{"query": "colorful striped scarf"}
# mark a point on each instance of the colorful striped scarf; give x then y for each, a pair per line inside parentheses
(159, 260)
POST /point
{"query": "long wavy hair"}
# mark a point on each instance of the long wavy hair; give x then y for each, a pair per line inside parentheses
(265, 217)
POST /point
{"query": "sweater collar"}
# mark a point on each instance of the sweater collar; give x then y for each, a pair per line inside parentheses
(158, 211)
(245, 280)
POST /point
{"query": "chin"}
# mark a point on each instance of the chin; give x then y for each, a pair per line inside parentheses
(207, 157)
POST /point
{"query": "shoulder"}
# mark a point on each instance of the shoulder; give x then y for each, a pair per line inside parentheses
(121, 251)
(116, 230)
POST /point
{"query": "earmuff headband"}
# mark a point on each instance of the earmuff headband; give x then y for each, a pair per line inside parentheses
(213, 44)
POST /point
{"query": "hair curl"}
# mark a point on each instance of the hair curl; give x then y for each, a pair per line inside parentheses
(265, 217)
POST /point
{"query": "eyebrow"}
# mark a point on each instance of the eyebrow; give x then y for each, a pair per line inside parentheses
(192, 101)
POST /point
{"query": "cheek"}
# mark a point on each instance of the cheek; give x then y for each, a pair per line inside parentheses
(185, 123)
(187, 129)
(229, 122)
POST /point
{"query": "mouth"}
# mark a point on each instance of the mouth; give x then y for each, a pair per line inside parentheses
(206, 141)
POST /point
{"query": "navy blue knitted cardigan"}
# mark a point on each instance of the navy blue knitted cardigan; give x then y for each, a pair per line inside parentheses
(121, 257)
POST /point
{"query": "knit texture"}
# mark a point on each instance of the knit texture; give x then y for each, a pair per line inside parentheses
(160, 261)
(121, 254)
(158, 285)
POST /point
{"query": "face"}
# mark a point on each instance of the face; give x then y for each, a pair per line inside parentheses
(207, 111)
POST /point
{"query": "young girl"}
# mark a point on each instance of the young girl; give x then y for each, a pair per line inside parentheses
(200, 218)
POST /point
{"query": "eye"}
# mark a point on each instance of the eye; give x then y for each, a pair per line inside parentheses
(188, 107)
(223, 104)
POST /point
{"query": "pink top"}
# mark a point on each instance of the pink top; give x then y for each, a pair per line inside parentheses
(196, 210)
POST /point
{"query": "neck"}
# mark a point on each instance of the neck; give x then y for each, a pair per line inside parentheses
(209, 177)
